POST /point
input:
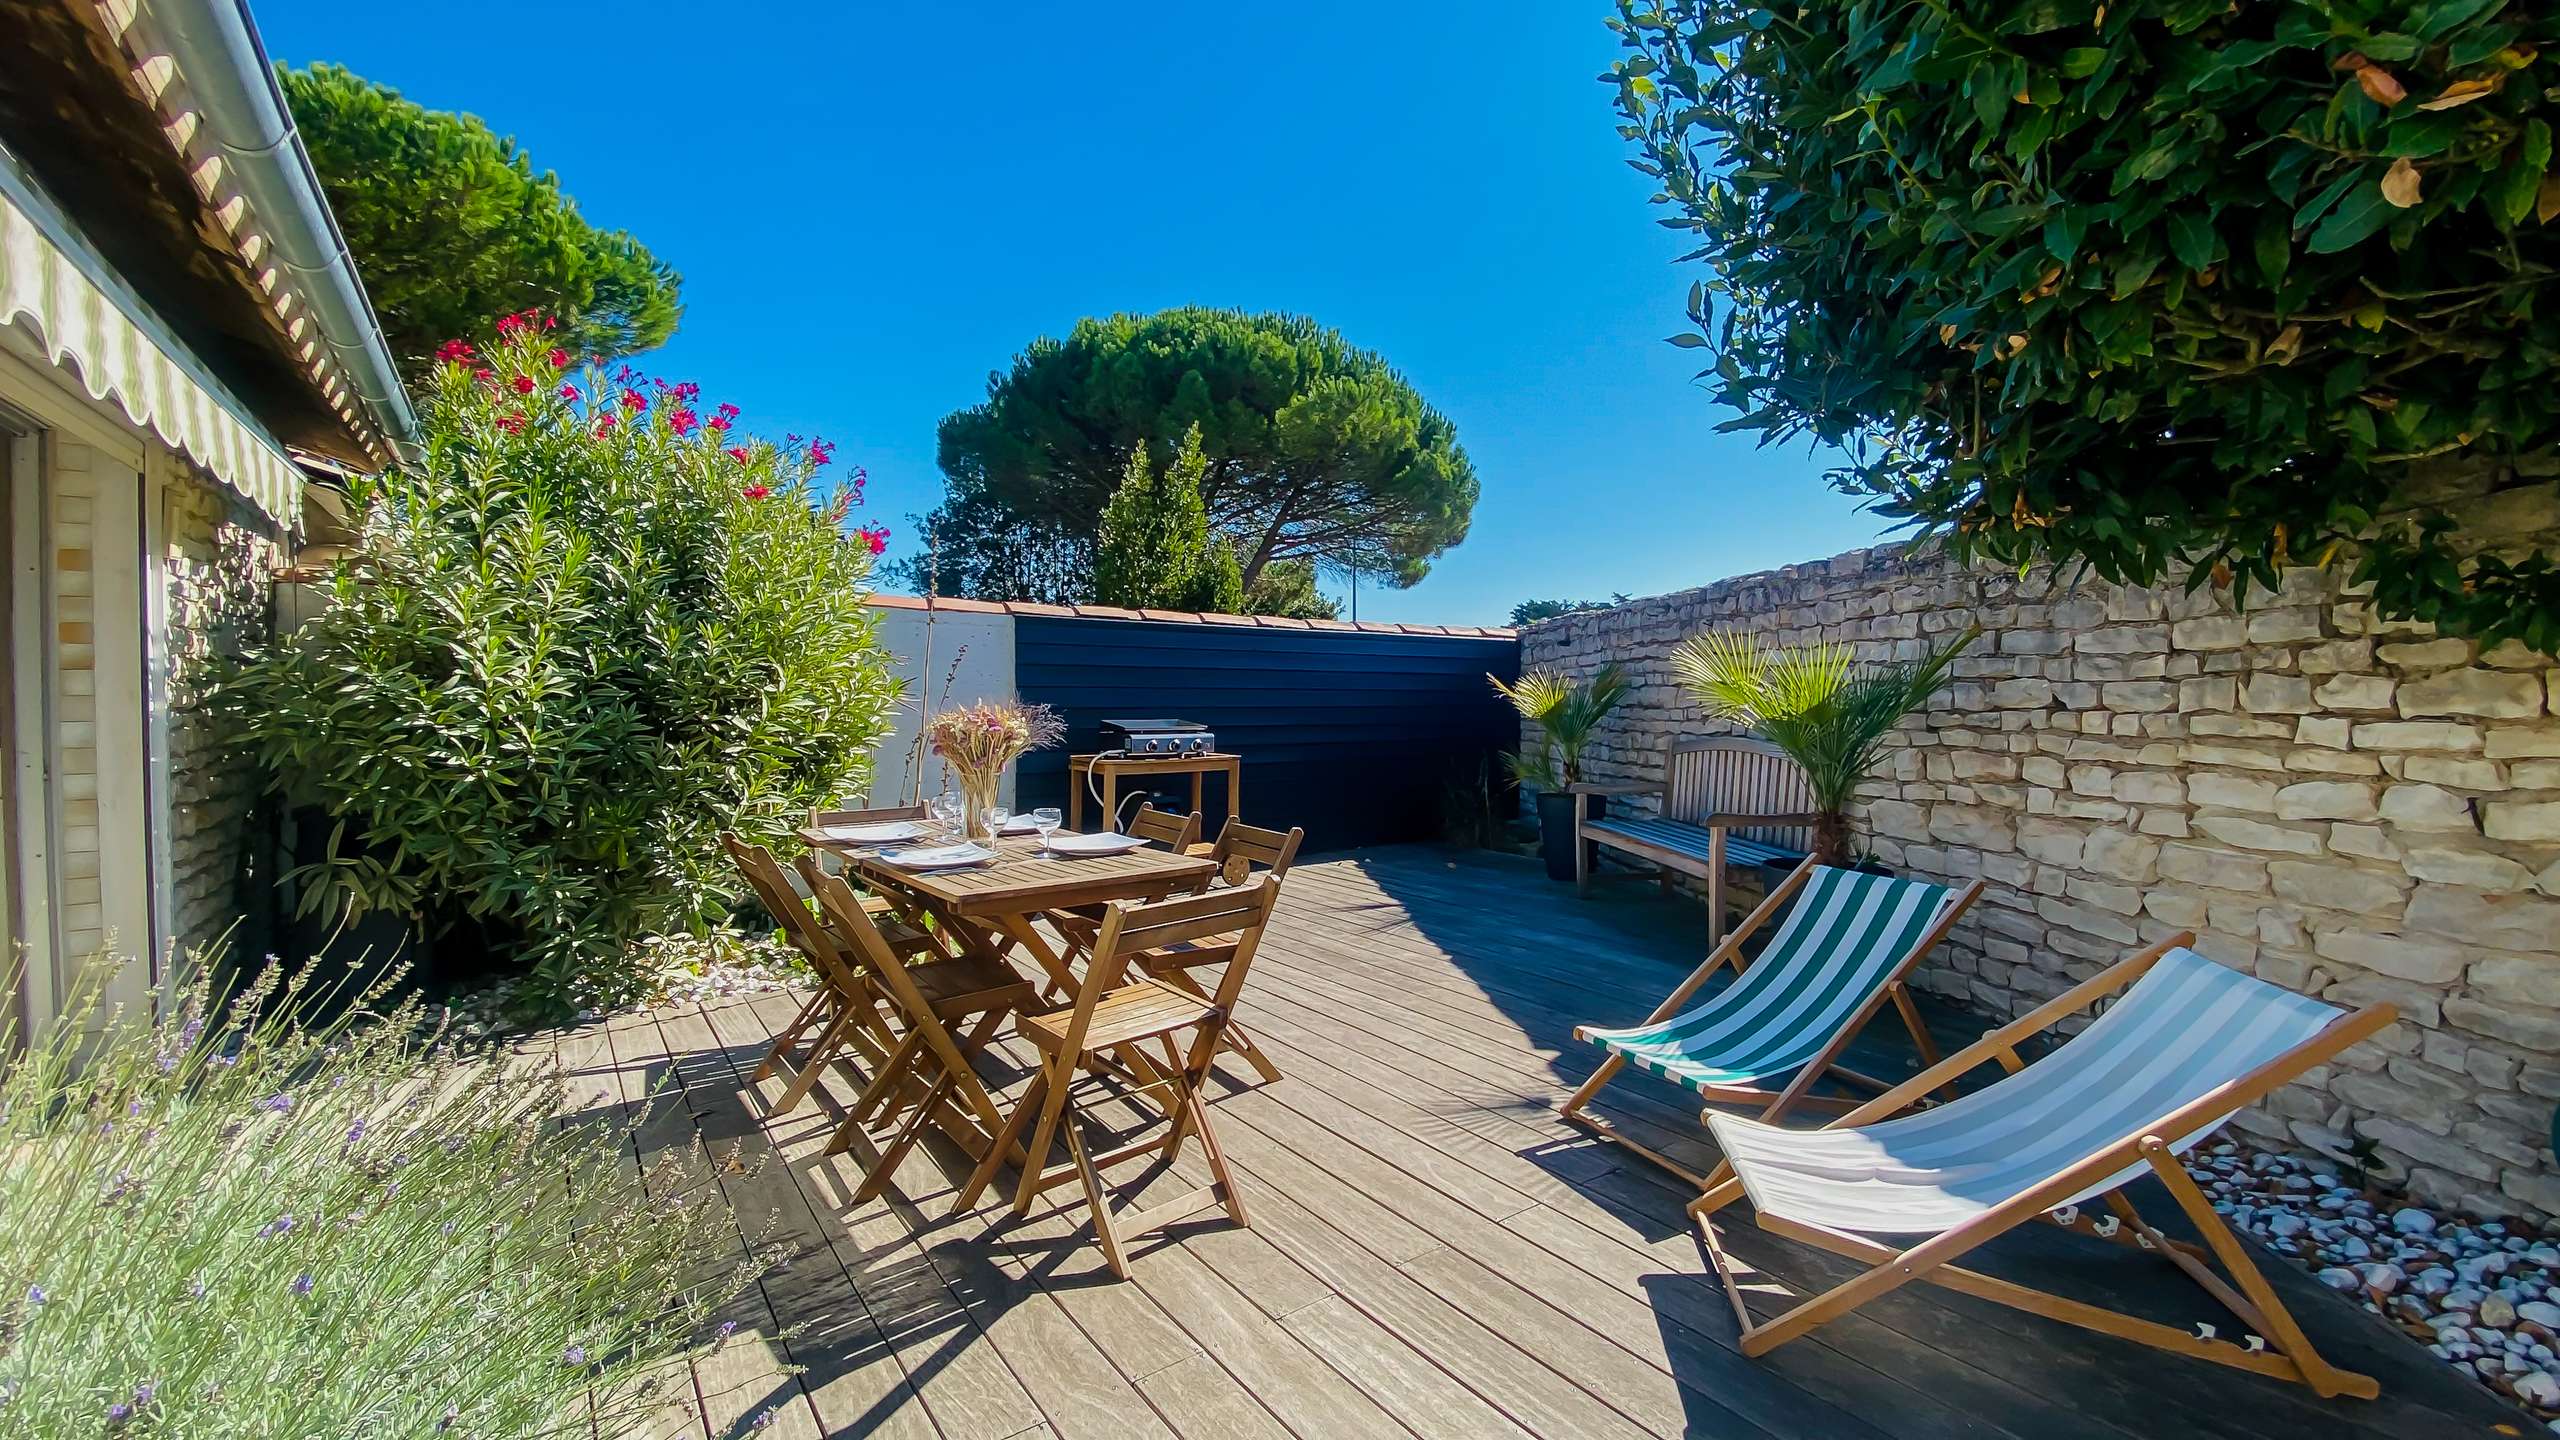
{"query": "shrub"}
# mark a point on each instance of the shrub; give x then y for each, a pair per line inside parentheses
(1567, 713)
(219, 1223)
(2176, 288)
(590, 630)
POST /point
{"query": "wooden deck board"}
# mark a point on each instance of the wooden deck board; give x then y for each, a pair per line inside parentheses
(1435, 1252)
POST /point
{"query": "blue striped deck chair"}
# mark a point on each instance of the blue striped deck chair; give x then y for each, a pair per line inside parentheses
(1839, 958)
(2185, 1046)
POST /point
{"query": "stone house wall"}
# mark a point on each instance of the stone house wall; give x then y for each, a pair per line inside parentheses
(2350, 807)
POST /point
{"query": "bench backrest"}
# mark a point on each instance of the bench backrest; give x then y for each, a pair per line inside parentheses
(1737, 775)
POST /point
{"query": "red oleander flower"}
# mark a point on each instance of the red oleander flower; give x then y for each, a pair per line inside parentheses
(717, 423)
(454, 352)
(682, 421)
(512, 424)
(875, 536)
(634, 400)
(737, 453)
(522, 384)
(510, 324)
(727, 411)
(603, 423)
(559, 358)
(568, 392)
(757, 492)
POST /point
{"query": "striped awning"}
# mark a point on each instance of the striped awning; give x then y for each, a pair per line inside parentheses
(92, 326)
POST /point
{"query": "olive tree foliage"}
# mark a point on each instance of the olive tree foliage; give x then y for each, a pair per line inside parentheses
(1317, 451)
(1156, 550)
(2175, 289)
(451, 226)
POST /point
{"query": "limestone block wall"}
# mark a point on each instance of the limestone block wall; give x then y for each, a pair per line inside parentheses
(2354, 808)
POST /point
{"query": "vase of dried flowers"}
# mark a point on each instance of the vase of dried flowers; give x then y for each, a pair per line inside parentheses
(978, 741)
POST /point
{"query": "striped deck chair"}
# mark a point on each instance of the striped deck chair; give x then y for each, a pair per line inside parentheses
(1841, 955)
(2187, 1046)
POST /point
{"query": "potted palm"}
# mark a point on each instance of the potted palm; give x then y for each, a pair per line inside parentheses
(1817, 703)
(1566, 713)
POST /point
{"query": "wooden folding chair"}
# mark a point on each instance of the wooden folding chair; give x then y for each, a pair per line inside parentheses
(842, 1017)
(820, 818)
(1841, 955)
(2188, 1045)
(1175, 832)
(948, 1010)
(1110, 1021)
(1239, 851)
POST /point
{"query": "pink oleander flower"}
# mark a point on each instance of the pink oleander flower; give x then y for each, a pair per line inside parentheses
(757, 492)
(682, 421)
(454, 352)
(569, 392)
(634, 400)
(522, 384)
(737, 453)
(559, 358)
(875, 536)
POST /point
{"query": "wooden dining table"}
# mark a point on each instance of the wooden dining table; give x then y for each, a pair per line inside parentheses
(991, 908)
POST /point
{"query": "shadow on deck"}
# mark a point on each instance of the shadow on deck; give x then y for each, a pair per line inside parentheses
(1433, 1253)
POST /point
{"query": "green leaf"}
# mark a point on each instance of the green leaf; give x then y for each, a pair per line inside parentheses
(2359, 216)
(2083, 62)
(2273, 246)
(2192, 240)
(2513, 194)
(2062, 232)
(1687, 339)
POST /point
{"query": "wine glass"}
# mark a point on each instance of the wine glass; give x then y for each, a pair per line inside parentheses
(995, 816)
(945, 811)
(1046, 820)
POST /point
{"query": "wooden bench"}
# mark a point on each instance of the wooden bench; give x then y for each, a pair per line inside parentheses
(1724, 800)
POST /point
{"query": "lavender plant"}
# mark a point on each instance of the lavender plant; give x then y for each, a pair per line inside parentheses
(218, 1221)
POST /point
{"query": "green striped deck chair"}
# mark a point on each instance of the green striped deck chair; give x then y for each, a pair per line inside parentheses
(1838, 959)
(2182, 1045)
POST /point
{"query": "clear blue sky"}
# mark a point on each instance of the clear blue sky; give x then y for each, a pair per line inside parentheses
(875, 205)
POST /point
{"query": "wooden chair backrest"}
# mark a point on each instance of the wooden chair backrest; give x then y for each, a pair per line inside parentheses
(1737, 775)
(853, 927)
(876, 816)
(1238, 915)
(773, 889)
(1240, 847)
(1176, 833)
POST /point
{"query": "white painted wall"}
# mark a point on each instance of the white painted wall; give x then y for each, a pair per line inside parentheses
(981, 643)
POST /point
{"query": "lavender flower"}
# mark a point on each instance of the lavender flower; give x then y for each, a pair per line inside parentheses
(195, 1289)
(279, 1102)
(282, 1224)
(574, 1355)
(763, 1420)
(302, 1283)
(118, 1414)
(143, 1394)
(36, 1296)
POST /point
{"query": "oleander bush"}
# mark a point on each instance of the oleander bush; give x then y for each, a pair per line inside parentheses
(591, 628)
(215, 1221)
(2178, 289)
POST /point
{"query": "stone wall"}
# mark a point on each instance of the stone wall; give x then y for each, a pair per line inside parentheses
(220, 553)
(2351, 807)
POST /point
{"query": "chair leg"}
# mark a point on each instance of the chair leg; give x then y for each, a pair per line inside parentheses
(1581, 856)
(822, 1053)
(786, 1037)
(1228, 1193)
(1925, 1047)
(1003, 1143)
(1096, 1198)
(905, 1140)
(892, 1077)
(1044, 1134)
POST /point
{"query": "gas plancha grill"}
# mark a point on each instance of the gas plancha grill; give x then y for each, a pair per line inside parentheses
(1157, 737)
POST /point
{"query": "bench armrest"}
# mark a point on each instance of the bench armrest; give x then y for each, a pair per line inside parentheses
(1736, 822)
(1594, 787)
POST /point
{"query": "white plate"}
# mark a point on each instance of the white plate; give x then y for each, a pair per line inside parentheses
(1020, 825)
(888, 832)
(939, 857)
(1107, 843)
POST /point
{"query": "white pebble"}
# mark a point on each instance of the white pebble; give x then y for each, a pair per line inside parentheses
(2535, 1388)
(2413, 1221)
(2540, 1312)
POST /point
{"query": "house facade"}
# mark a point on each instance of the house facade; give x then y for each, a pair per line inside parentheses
(183, 352)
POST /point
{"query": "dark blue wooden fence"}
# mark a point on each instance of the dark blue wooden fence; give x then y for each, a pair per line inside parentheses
(1362, 737)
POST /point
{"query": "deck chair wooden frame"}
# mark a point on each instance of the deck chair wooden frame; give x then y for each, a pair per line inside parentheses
(1111, 1020)
(1799, 1092)
(2287, 1352)
(842, 1017)
(948, 1011)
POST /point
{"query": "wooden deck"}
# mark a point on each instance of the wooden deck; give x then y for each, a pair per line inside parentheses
(1433, 1253)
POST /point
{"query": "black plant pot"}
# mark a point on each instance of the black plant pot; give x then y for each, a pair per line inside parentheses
(1555, 829)
(1774, 873)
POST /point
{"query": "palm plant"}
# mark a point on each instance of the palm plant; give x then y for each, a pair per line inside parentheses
(1566, 713)
(1818, 704)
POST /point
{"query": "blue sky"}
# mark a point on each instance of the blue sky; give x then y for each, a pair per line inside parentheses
(875, 205)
